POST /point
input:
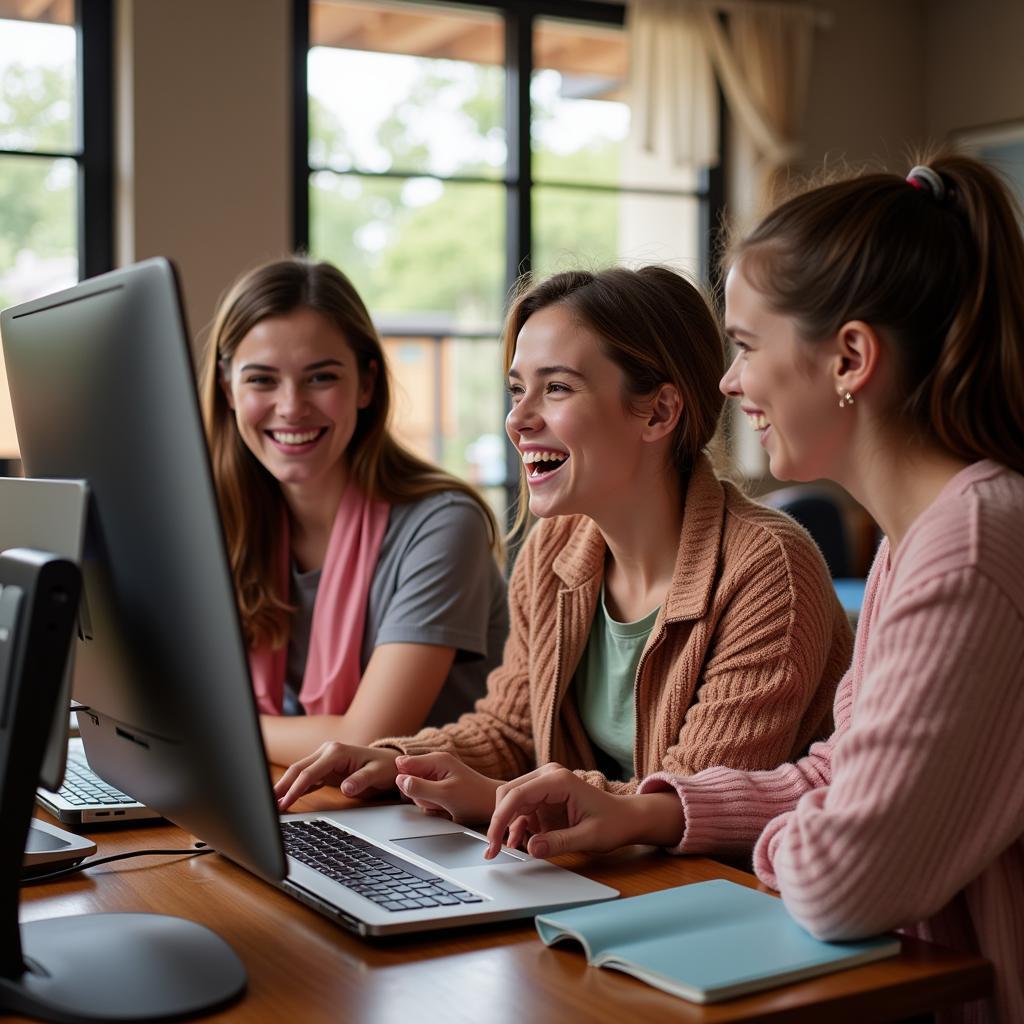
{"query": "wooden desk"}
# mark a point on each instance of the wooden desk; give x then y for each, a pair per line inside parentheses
(303, 968)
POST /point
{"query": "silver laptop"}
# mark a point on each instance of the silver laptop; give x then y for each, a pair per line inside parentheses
(48, 848)
(86, 799)
(387, 870)
(50, 515)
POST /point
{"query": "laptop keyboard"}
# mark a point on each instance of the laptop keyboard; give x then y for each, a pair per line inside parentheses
(83, 787)
(389, 881)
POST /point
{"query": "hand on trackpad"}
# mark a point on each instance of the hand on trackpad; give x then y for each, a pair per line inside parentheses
(453, 850)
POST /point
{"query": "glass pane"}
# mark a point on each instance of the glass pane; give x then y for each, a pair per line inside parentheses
(448, 404)
(431, 252)
(580, 118)
(400, 88)
(38, 252)
(592, 229)
(37, 227)
(37, 86)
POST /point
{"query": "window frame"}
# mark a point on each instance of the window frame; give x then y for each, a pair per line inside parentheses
(520, 17)
(93, 148)
(93, 152)
(94, 21)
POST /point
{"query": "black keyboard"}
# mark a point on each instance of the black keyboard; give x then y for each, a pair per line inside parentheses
(376, 875)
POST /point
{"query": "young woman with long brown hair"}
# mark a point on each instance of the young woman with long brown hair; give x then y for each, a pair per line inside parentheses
(366, 578)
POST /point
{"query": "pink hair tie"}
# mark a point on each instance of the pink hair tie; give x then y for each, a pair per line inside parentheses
(926, 180)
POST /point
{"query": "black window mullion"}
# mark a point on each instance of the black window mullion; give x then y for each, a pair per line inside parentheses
(519, 214)
(712, 210)
(518, 70)
(300, 126)
(95, 137)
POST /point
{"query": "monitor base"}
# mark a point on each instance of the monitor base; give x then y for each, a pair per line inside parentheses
(121, 967)
(49, 848)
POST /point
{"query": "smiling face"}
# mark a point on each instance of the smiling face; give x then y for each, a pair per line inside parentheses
(580, 443)
(784, 385)
(295, 388)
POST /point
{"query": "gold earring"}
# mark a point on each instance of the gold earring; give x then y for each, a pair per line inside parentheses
(845, 399)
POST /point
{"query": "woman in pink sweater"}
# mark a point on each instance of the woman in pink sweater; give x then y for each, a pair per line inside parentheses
(878, 327)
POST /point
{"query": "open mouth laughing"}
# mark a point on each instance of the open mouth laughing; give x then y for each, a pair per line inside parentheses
(542, 462)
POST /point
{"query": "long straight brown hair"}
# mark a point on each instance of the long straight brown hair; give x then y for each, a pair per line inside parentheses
(251, 502)
(940, 272)
(658, 329)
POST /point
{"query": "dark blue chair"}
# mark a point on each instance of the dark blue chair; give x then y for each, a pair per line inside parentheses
(820, 514)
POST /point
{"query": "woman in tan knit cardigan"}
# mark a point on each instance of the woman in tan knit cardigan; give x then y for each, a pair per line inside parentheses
(659, 619)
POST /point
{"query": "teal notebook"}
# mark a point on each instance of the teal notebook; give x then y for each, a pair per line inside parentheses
(707, 941)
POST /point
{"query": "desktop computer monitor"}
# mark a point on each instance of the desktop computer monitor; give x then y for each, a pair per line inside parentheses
(103, 390)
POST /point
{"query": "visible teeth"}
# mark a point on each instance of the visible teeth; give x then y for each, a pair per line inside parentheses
(757, 420)
(533, 459)
(288, 437)
(535, 456)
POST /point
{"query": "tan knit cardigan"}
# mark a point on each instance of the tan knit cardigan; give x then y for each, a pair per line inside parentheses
(739, 670)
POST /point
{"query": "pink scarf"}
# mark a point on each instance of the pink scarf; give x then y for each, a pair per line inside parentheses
(333, 668)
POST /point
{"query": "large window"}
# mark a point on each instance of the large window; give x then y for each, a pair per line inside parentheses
(450, 146)
(54, 154)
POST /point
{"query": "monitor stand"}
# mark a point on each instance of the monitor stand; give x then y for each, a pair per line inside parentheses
(49, 848)
(91, 967)
(118, 967)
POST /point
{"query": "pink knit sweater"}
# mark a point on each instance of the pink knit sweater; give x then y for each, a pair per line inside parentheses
(912, 814)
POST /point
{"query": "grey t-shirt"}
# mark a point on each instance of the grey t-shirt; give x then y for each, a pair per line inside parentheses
(436, 582)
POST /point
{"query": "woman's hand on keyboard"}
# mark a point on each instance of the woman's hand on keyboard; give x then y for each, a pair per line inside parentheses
(359, 771)
(439, 783)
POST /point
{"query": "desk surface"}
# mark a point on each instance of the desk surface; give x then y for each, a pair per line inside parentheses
(302, 967)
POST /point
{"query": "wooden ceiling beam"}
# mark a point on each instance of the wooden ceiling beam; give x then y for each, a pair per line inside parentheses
(563, 46)
(481, 44)
(53, 12)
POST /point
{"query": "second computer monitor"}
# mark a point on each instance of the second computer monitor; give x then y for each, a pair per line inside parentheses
(103, 390)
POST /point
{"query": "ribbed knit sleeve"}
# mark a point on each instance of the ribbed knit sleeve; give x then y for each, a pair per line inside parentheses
(926, 791)
(912, 814)
(726, 810)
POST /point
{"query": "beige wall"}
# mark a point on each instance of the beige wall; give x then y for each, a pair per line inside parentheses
(203, 139)
(975, 70)
(893, 74)
(867, 97)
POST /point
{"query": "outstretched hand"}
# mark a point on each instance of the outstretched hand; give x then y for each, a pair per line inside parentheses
(554, 811)
(439, 783)
(359, 771)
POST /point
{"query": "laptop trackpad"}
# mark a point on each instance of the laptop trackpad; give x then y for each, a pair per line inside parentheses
(452, 850)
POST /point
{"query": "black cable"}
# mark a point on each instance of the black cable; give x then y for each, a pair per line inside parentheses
(85, 864)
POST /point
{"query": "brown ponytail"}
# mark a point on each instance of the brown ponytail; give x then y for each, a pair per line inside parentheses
(941, 274)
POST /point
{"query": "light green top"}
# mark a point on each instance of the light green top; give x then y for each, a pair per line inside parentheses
(605, 683)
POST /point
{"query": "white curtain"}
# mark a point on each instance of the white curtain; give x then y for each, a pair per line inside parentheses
(677, 50)
(673, 102)
(764, 65)
(763, 62)
(669, 140)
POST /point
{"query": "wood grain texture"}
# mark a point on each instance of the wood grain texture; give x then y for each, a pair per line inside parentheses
(302, 967)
